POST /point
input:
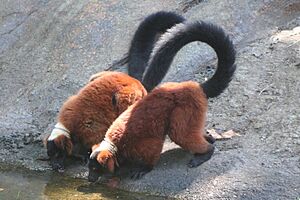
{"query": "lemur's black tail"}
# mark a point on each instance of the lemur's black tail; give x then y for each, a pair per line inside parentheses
(180, 35)
(145, 38)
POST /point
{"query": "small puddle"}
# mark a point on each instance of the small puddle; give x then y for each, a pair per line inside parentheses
(25, 185)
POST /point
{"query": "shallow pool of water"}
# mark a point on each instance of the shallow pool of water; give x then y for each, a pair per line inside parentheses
(18, 184)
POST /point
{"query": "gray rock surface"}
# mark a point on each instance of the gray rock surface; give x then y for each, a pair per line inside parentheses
(48, 49)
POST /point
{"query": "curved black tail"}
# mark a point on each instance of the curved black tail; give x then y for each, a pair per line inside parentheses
(180, 35)
(144, 39)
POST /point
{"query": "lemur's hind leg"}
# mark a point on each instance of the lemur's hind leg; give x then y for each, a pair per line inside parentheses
(200, 158)
(197, 144)
(188, 132)
(146, 155)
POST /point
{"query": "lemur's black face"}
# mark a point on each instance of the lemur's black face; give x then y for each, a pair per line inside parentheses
(57, 156)
(95, 170)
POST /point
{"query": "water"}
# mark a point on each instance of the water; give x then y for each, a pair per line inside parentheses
(18, 184)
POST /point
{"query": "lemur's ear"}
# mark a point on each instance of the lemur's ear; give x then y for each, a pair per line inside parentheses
(95, 146)
(106, 159)
(64, 143)
(94, 153)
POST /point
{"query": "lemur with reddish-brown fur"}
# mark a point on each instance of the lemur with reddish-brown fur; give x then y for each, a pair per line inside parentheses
(174, 109)
(85, 117)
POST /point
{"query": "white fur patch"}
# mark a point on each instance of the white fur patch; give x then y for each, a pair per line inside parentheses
(106, 144)
(166, 37)
(59, 130)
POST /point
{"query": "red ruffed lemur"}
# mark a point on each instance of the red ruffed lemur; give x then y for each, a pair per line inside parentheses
(85, 117)
(174, 109)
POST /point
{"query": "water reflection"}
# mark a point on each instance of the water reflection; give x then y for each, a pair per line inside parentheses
(29, 185)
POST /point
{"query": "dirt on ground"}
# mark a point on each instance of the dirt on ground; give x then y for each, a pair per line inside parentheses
(48, 50)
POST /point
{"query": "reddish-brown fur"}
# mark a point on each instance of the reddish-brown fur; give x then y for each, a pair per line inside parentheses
(174, 109)
(89, 113)
(63, 142)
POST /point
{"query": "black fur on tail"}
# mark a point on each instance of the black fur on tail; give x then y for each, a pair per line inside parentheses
(180, 35)
(144, 39)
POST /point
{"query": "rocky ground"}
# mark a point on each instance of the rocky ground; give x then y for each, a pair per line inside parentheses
(48, 49)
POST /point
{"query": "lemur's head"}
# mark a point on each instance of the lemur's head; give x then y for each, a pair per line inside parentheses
(59, 146)
(101, 161)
